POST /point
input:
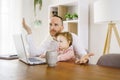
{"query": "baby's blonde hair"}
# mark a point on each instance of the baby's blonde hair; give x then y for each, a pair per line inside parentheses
(67, 35)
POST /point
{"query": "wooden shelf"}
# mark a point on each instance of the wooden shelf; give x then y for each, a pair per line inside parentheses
(71, 21)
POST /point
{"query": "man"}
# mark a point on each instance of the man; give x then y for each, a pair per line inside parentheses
(56, 26)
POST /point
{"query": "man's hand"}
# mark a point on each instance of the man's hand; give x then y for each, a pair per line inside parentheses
(84, 59)
(26, 27)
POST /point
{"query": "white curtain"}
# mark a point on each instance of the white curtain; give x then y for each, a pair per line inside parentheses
(10, 24)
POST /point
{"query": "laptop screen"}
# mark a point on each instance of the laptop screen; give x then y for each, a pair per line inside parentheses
(20, 46)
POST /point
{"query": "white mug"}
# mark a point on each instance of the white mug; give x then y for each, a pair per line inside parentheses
(51, 58)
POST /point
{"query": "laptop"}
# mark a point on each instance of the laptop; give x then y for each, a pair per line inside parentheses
(23, 54)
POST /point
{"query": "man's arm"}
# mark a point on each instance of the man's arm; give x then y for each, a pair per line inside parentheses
(84, 59)
(26, 27)
(34, 51)
(78, 46)
(79, 49)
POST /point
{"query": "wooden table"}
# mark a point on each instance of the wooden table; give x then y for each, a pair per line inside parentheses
(17, 70)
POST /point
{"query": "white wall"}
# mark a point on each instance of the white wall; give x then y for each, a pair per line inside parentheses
(40, 32)
(0, 24)
(10, 16)
(25, 8)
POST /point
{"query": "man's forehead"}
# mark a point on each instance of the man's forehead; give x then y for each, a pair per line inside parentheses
(55, 19)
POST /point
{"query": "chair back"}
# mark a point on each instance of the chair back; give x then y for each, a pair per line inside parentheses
(111, 60)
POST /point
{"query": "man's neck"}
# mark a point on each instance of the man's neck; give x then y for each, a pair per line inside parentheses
(54, 38)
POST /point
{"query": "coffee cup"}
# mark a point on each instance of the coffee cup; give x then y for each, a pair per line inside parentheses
(51, 58)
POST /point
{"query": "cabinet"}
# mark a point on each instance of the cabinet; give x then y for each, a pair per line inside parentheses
(78, 26)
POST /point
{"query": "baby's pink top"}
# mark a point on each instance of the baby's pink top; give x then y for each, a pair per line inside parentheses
(66, 54)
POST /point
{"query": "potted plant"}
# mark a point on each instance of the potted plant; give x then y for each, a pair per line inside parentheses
(68, 16)
(75, 16)
(39, 3)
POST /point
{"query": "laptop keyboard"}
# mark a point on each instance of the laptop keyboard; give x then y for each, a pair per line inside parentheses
(34, 60)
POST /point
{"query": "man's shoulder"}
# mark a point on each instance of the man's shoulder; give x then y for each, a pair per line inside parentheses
(48, 38)
(74, 36)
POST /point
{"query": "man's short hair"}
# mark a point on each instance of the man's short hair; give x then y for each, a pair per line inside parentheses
(59, 18)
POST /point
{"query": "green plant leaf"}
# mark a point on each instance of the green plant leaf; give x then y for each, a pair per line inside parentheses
(68, 15)
(40, 4)
(75, 15)
(37, 2)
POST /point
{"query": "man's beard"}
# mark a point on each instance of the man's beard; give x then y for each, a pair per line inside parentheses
(53, 32)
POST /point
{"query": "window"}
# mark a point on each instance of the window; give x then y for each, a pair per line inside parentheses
(9, 24)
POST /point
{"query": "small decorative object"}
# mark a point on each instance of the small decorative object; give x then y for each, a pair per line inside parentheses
(68, 16)
(37, 23)
(39, 3)
(55, 13)
(75, 16)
